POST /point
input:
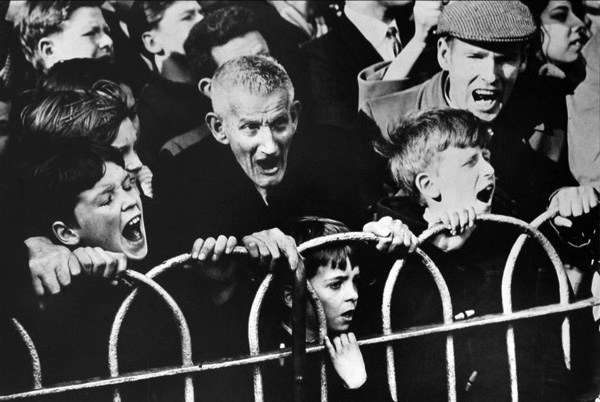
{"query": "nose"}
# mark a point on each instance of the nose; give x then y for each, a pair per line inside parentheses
(105, 41)
(129, 200)
(268, 145)
(133, 164)
(198, 17)
(578, 25)
(487, 168)
(351, 292)
(488, 69)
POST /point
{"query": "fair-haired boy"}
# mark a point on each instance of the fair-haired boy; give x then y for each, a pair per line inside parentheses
(334, 274)
(439, 160)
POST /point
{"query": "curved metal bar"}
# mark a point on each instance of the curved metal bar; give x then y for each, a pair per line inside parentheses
(322, 319)
(158, 270)
(507, 307)
(253, 330)
(184, 332)
(253, 338)
(36, 366)
(446, 311)
(182, 259)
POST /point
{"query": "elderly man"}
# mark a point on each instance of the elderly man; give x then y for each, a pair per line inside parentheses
(238, 182)
(482, 51)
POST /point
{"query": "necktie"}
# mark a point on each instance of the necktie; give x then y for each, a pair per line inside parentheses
(392, 35)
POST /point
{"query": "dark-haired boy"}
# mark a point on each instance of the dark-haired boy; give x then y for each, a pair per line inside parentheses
(80, 195)
(334, 275)
(439, 158)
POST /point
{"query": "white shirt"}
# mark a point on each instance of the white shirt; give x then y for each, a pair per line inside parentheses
(374, 31)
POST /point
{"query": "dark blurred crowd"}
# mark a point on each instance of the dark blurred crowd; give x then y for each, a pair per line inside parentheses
(135, 131)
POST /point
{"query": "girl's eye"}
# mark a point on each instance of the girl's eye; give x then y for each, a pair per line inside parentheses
(335, 285)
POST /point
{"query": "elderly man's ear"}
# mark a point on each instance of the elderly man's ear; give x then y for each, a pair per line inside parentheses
(204, 86)
(217, 128)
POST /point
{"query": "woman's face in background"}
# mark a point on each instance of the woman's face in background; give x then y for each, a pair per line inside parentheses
(563, 33)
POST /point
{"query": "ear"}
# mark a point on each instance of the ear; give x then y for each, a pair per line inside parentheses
(295, 110)
(45, 48)
(217, 128)
(150, 43)
(204, 86)
(443, 53)
(427, 187)
(523, 65)
(65, 234)
(287, 295)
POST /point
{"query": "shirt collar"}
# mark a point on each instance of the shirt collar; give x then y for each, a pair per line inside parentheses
(371, 28)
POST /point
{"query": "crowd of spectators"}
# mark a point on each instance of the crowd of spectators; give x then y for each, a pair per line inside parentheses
(135, 131)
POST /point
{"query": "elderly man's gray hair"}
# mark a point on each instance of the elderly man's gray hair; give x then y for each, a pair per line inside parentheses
(260, 75)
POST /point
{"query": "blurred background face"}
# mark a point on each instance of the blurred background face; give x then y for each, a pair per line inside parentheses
(85, 35)
(251, 44)
(175, 25)
(563, 32)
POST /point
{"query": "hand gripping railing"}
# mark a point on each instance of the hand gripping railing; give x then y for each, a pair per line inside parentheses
(298, 310)
(507, 278)
(36, 367)
(506, 299)
(186, 343)
(446, 309)
(184, 331)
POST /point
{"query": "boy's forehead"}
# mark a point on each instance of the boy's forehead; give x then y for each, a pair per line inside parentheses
(334, 269)
(176, 8)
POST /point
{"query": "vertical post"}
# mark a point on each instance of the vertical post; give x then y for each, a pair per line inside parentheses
(299, 330)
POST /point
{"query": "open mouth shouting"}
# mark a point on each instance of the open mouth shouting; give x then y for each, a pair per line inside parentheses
(486, 99)
(134, 235)
(268, 165)
(485, 196)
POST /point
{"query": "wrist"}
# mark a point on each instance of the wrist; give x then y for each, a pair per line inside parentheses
(355, 383)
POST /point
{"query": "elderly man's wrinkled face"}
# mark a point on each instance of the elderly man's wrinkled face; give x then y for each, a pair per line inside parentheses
(259, 129)
(480, 79)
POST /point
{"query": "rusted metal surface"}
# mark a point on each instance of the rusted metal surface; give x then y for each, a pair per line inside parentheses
(36, 367)
(182, 326)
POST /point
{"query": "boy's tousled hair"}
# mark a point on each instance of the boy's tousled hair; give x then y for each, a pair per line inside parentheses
(416, 140)
(259, 75)
(216, 29)
(96, 114)
(43, 18)
(311, 227)
(54, 176)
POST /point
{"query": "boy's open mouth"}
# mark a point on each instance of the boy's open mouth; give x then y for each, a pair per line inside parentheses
(348, 314)
(132, 230)
(485, 195)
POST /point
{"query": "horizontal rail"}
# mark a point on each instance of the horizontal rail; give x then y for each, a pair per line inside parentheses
(270, 356)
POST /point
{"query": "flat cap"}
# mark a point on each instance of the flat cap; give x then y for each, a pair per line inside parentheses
(487, 21)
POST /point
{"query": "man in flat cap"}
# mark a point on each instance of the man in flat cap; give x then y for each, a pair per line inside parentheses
(482, 49)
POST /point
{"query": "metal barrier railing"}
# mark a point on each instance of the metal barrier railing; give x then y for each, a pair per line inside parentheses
(449, 327)
(36, 367)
